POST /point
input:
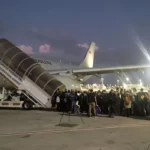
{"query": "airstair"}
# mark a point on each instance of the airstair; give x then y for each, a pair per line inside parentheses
(27, 75)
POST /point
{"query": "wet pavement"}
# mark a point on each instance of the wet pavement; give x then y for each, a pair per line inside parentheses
(40, 130)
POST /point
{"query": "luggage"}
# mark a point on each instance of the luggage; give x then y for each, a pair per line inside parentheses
(98, 110)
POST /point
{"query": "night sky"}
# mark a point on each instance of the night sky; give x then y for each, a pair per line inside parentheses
(54, 29)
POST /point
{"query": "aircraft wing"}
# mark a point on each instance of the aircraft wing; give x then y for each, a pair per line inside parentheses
(93, 71)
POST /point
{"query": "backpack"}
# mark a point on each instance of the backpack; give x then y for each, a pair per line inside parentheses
(127, 100)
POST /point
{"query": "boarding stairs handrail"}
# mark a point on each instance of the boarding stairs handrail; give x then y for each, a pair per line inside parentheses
(11, 71)
(10, 74)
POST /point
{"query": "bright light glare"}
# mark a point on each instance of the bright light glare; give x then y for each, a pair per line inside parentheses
(127, 79)
(141, 83)
(141, 47)
(124, 85)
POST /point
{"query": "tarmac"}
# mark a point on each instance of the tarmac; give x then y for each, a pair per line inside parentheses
(40, 130)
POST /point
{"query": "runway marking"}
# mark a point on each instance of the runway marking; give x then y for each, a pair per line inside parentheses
(71, 130)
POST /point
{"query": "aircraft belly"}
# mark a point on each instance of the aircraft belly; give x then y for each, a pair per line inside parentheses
(69, 82)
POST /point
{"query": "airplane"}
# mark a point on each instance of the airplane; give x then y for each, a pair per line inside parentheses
(73, 76)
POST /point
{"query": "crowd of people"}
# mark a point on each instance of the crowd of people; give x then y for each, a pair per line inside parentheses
(114, 102)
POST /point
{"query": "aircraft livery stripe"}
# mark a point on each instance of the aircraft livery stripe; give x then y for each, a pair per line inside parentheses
(43, 61)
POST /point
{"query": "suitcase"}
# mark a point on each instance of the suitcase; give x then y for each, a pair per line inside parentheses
(98, 110)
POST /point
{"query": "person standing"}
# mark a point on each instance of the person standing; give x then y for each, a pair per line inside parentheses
(112, 103)
(92, 103)
(99, 100)
(147, 97)
(72, 98)
(141, 102)
(83, 102)
(134, 102)
(127, 103)
(122, 95)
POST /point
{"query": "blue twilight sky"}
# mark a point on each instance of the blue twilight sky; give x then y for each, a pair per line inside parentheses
(62, 24)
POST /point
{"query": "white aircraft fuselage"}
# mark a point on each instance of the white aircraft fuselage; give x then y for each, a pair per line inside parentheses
(72, 76)
(63, 72)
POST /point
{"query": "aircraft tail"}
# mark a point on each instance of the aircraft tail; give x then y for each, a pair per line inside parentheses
(89, 58)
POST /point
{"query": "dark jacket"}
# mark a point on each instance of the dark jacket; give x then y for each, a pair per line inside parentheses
(91, 97)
